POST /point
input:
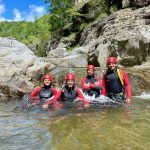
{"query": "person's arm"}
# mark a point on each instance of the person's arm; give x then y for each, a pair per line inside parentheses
(104, 85)
(56, 97)
(84, 85)
(81, 97)
(127, 85)
(98, 83)
(54, 91)
(33, 95)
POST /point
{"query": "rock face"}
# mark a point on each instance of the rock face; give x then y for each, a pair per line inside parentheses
(135, 3)
(62, 57)
(139, 3)
(18, 65)
(124, 34)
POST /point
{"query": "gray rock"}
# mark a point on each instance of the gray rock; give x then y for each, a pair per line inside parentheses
(61, 57)
(139, 3)
(18, 65)
(125, 3)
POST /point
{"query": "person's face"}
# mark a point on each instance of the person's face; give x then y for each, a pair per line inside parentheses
(90, 72)
(47, 82)
(111, 66)
(70, 83)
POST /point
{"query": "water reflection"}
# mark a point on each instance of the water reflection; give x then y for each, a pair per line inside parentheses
(20, 131)
(119, 128)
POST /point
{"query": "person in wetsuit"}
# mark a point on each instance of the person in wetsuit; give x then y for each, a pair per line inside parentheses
(69, 93)
(115, 82)
(91, 84)
(43, 93)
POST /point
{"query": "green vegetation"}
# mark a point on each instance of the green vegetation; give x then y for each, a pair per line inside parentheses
(36, 33)
(66, 16)
(60, 13)
(66, 19)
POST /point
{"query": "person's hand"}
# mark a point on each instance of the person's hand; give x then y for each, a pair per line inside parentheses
(128, 101)
(88, 85)
(86, 105)
(92, 86)
(45, 106)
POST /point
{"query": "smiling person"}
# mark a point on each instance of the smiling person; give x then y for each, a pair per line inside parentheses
(43, 93)
(116, 83)
(91, 84)
(68, 93)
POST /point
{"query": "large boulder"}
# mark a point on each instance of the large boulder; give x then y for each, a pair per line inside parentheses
(125, 34)
(135, 3)
(62, 57)
(18, 66)
(139, 3)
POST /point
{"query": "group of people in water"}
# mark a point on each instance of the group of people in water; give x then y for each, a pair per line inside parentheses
(114, 84)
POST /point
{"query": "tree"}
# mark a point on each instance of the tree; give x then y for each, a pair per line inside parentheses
(60, 13)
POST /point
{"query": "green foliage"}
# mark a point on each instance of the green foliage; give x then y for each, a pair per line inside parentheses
(28, 32)
(74, 46)
(61, 13)
(65, 19)
(66, 16)
(113, 8)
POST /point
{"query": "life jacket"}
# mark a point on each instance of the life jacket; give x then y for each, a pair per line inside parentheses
(90, 79)
(93, 91)
(114, 81)
(46, 93)
(69, 94)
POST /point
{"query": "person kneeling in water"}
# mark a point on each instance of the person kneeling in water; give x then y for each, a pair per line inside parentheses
(43, 93)
(69, 93)
(91, 84)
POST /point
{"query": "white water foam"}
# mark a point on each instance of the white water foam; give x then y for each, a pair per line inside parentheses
(144, 95)
(101, 99)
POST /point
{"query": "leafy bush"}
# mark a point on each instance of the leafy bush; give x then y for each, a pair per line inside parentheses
(28, 32)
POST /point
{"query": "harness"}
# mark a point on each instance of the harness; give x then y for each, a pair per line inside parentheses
(115, 88)
(45, 93)
(90, 80)
(69, 94)
(120, 76)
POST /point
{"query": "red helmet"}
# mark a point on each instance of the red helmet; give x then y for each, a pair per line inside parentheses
(70, 76)
(91, 67)
(47, 76)
(112, 60)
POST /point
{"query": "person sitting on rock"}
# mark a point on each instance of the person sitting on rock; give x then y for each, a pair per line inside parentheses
(115, 82)
(43, 93)
(69, 93)
(91, 84)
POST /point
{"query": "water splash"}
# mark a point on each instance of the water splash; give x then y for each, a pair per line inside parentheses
(144, 95)
(100, 99)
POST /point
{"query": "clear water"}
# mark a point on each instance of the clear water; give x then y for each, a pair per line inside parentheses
(110, 128)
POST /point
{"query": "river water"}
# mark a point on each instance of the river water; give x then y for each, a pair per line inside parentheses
(110, 128)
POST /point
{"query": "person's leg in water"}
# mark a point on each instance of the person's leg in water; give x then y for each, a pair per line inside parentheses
(119, 97)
